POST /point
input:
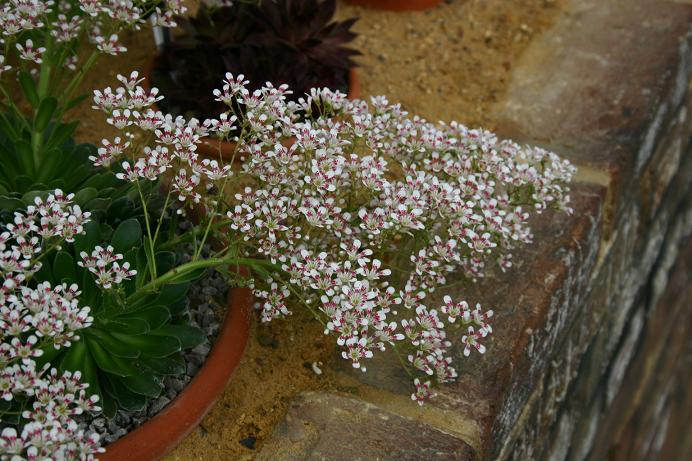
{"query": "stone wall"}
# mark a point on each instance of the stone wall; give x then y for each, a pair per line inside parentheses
(590, 357)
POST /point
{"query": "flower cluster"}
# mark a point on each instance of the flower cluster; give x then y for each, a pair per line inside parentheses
(34, 317)
(175, 139)
(66, 23)
(51, 431)
(360, 211)
(103, 263)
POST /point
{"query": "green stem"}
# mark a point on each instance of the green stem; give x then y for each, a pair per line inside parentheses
(21, 117)
(150, 251)
(163, 212)
(79, 76)
(402, 361)
(187, 237)
(44, 78)
(305, 303)
(177, 272)
(36, 142)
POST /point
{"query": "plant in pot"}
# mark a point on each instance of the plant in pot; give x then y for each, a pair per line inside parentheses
(127, 348)
(360, 218)
(276, 41)
(40, 404)
(135, 334)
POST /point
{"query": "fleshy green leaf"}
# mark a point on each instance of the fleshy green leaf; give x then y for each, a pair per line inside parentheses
(87, 241)
(26, 158)
(74, 358)
(130, 325)
(84, 195)
(144, 384)
(64, 267)
(45, 112)
(127, 235)
(112, 345)
(155, 316)
(28, 87)
(170, 366)
(188, 336)
(150, 345)
(165, 261)
(61, 134)
(11, 203)
(107, 362)
(126, 398)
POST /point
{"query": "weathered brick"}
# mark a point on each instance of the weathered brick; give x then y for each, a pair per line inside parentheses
(634, 426)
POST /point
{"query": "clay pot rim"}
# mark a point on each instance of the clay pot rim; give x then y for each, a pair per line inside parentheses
(397, 5)
(160, 434)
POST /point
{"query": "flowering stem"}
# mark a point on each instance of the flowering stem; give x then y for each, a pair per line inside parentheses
(305, 303)
(150, 251)
(163, 211)
(14, 108)
(77, 79)
(188, 236)
(184, 269)
(401, 359)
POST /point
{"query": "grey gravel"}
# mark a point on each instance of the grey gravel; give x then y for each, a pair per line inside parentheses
(192, 369)
(173, 384)
(158, 405)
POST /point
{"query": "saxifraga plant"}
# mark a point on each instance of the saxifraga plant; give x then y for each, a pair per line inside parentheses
(292, 42)
(130, 346)
(357, 211)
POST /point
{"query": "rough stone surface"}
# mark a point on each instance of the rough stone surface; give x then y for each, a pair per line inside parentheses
(363, 430)
(590, 356)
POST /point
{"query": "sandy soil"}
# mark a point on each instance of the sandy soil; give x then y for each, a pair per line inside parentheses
(451, 62)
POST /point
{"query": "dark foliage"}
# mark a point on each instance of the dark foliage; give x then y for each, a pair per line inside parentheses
(277, 41)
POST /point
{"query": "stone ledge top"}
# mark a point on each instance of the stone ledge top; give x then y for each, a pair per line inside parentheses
(600, 77)
(364, 431)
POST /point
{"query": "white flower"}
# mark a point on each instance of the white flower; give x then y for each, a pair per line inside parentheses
(29, 53)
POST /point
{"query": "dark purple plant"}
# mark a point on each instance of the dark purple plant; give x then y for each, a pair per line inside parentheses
(278, 41)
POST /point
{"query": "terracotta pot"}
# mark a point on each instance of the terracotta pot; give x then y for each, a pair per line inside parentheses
(211, 148)
(397, 5)
(158, 436)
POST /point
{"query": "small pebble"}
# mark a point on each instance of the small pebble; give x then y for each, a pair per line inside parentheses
(202, 350)
(158, 405)
(210, 291)
(249, 442)
(192, 369)
(173, 382)
(316, 369)
(197, 360)
(99, 423)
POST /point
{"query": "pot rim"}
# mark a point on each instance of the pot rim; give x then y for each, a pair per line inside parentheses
(163, 432)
